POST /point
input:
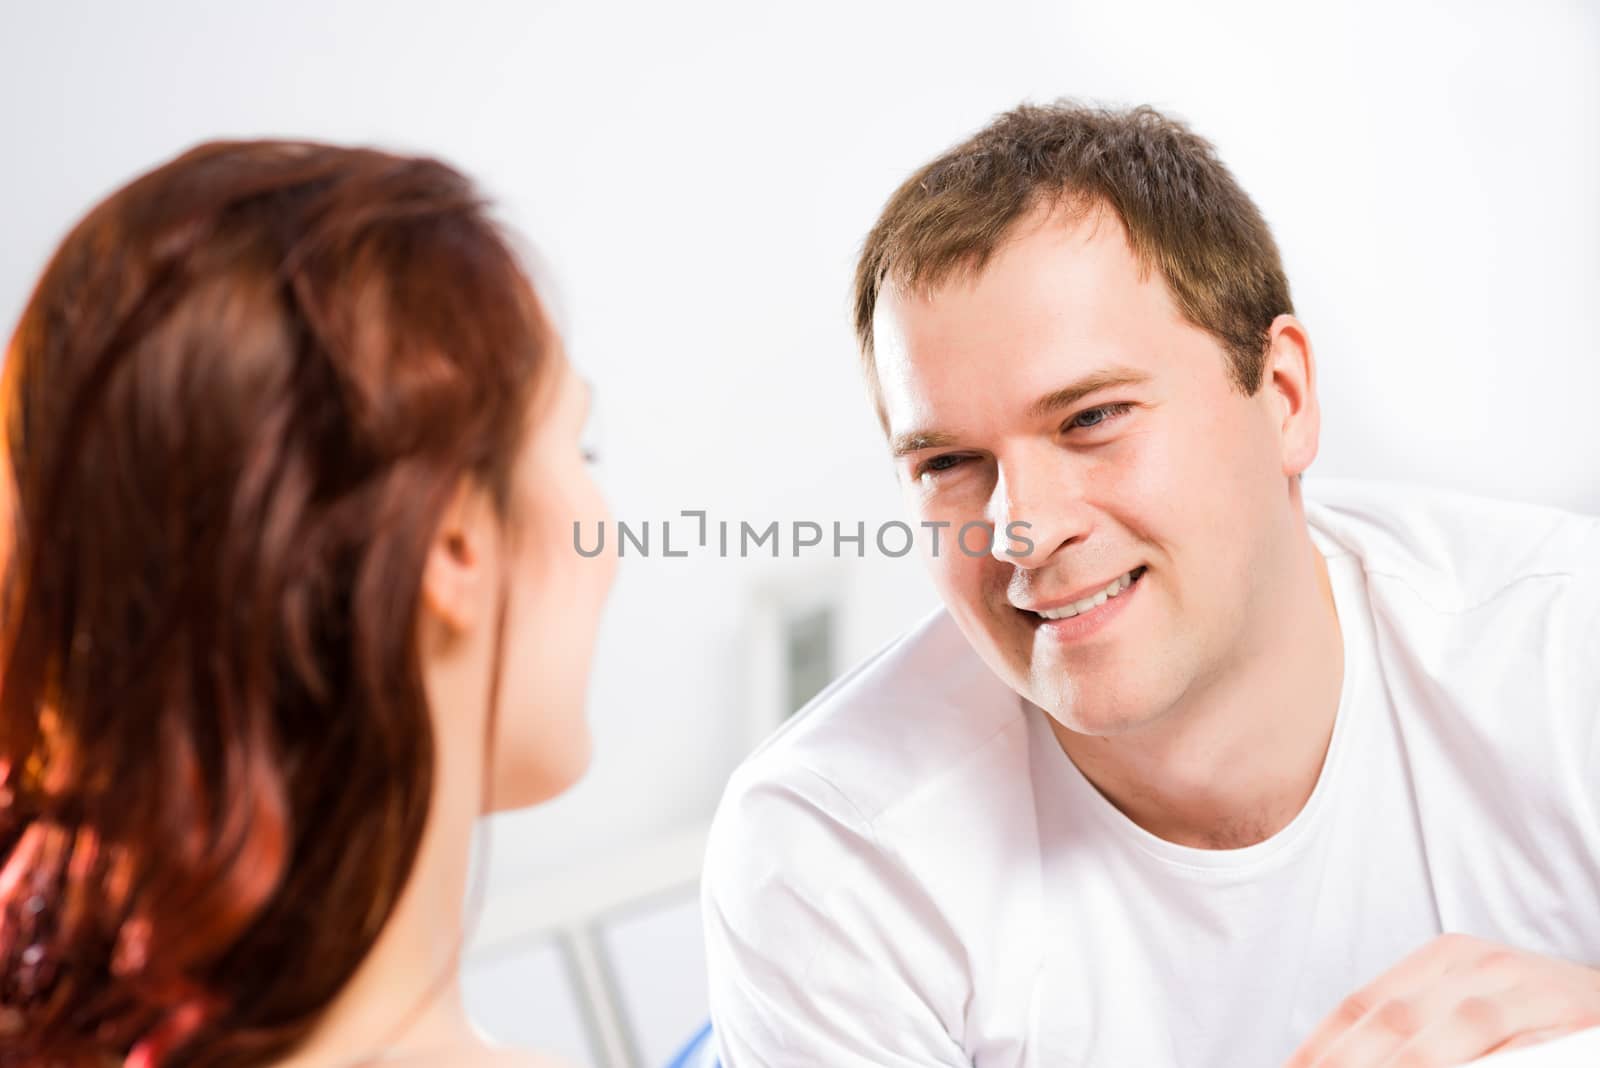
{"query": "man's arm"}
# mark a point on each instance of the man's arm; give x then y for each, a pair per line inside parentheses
(818, 949)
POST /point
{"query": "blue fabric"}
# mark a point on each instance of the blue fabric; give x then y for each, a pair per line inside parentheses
(701, 1051)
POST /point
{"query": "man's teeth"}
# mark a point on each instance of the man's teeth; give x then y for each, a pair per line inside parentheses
(1068, 611)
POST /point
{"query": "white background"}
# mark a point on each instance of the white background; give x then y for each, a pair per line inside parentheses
(698, 178)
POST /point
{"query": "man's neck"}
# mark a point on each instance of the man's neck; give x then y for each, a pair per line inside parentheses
(1232, 765)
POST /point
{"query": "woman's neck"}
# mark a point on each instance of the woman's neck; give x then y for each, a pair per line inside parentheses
(406, 994)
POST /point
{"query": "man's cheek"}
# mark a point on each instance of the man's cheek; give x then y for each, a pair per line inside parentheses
(1145, 467)
(957, 584)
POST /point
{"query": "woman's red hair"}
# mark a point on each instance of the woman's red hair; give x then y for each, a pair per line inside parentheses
(235, 410)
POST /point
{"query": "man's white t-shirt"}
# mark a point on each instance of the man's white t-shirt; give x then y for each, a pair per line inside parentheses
(912, 872)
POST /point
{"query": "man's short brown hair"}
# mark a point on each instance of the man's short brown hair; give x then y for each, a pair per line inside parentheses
(1183, 211)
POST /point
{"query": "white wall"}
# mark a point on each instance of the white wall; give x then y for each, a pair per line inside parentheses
(699, 177)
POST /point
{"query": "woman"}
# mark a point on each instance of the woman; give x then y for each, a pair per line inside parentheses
(288, 602)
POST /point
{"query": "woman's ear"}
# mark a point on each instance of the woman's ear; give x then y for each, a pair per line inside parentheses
(455, 578)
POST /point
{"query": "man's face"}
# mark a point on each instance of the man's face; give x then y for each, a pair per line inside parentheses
(1058, 389)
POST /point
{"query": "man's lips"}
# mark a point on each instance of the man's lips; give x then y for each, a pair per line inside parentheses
(1086, 594)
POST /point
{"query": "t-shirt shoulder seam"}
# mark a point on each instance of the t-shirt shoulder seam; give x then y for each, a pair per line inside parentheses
(868, 822)
(1432, 603)
(860, 818)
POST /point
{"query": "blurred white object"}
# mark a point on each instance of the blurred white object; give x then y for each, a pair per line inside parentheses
(602, 964)
(526, 995)
(1581, 1050)
(791, 639)
(655, 956)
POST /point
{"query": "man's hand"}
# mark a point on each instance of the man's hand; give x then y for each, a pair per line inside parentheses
(1455, 999)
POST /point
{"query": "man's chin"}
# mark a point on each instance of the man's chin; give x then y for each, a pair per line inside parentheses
(1084, 708)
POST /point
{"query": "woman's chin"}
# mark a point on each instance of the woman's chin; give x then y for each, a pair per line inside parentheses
(525, 780)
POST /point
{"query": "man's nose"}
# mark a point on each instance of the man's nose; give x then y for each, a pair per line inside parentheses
(1035, 510)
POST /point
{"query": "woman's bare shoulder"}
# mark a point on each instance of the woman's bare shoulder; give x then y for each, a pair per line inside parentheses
(466, 1055)
(487, 1057)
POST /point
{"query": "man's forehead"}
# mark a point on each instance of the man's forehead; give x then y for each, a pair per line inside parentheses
(1064, 298)
(902, 383)
(1056, 264)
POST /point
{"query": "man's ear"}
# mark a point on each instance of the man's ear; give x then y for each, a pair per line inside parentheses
(454, 578)
(1290, 384)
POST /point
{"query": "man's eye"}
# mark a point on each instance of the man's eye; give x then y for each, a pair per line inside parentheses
(939, 463)
(1097, 416)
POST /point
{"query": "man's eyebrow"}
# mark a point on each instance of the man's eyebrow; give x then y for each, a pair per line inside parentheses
(917, 440)
(1067, 396)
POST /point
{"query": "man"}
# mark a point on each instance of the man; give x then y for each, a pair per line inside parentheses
(1190, 769)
